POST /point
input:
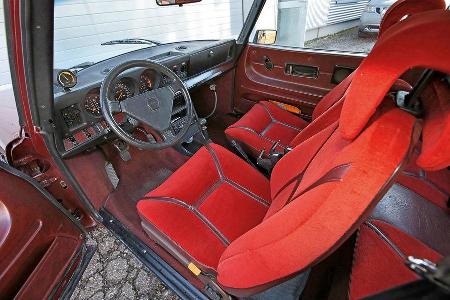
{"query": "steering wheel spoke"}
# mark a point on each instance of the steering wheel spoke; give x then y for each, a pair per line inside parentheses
(114, 106)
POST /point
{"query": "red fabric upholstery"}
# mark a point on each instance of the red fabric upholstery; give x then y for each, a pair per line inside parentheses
(196, 211)
(435, 153)
(256, 131)
(384, 67)
(216, 207)
(433, 186)
(303, 229)
(332, 97)
(377, 267)
(265, 124)
(406, 8)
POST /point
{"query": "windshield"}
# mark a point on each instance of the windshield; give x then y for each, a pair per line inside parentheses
(81, 26)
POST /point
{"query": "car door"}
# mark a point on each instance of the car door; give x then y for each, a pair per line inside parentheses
(296, 76)
(42, 248)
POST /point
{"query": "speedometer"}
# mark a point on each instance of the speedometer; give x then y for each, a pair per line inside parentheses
(92, 102)
(122, 91)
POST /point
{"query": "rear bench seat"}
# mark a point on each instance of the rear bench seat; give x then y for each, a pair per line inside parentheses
(403, 224)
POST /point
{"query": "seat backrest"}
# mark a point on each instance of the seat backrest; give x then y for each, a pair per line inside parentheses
(402, 9)
(435, 152)
(325, 188)
(328, 109)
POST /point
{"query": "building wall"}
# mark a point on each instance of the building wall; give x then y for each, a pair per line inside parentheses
(330, 16)
(344, 12)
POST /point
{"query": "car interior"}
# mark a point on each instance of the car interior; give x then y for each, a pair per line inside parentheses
(260, 172)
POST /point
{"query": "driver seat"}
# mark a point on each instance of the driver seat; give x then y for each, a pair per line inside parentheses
(221, 218)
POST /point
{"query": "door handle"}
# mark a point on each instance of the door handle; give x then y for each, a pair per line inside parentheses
(301, 70)
(268, 63)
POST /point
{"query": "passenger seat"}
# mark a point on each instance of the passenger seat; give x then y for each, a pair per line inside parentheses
(267, 126)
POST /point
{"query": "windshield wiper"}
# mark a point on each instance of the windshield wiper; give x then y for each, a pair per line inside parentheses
(84, 65)
(132, 41)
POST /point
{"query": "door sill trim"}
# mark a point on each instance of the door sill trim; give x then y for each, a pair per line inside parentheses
(169, 276)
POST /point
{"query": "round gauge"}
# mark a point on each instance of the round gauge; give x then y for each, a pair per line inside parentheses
(122, 91)
(92, 103)
(67, 78)
(146, 82)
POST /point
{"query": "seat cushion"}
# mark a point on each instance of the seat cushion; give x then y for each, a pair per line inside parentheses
(264, 125)
(210, 201)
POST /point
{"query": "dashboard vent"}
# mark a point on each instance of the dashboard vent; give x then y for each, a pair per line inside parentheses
(182, 47)
(178, 101)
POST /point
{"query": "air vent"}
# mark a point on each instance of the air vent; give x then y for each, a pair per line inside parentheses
(182, 47)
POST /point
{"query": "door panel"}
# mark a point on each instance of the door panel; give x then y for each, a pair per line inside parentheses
(297, 77)
(38, 242)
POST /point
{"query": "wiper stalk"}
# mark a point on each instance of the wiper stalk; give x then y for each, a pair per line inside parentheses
(132, 41)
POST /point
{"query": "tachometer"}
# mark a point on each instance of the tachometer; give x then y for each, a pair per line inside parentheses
(122, 91)
(92, 102)
(146, 82)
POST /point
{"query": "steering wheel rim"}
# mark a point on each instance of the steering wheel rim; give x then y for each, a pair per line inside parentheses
(148, 103)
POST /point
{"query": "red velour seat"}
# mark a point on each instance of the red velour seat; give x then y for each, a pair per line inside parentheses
(197, 204)
(266, 123)
(220, 215)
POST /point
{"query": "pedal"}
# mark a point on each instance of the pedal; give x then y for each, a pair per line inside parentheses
(123, 149)
(112, 174)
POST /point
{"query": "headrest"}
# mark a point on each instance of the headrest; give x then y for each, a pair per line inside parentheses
(407, 8)
(421, 40)
(435, 152)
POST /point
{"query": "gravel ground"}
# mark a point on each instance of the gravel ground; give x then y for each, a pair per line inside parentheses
(115, 273)
(346, 40)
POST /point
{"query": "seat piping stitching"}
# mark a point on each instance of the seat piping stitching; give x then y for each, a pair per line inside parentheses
(309, 163)
(231, 182)
(324, 179)
(383, 236)
(278, 121)
(261, 136)
(196, 212)
(208, 192)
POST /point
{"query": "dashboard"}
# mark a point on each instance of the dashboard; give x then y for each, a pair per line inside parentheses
(79, 121)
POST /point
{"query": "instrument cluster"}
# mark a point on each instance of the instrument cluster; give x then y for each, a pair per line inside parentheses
(125, 88)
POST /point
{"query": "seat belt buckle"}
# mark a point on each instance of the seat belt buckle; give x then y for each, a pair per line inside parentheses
(421, 266)
(437, 274)
(263, 162)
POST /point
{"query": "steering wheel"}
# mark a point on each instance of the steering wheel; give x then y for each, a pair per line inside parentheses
(152, 109)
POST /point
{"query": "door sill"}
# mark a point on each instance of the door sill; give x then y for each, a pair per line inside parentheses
(169, 276)
(86, 253)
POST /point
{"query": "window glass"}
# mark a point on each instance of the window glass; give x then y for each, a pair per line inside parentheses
(9, 122)
(344, 25)
(82, 25)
